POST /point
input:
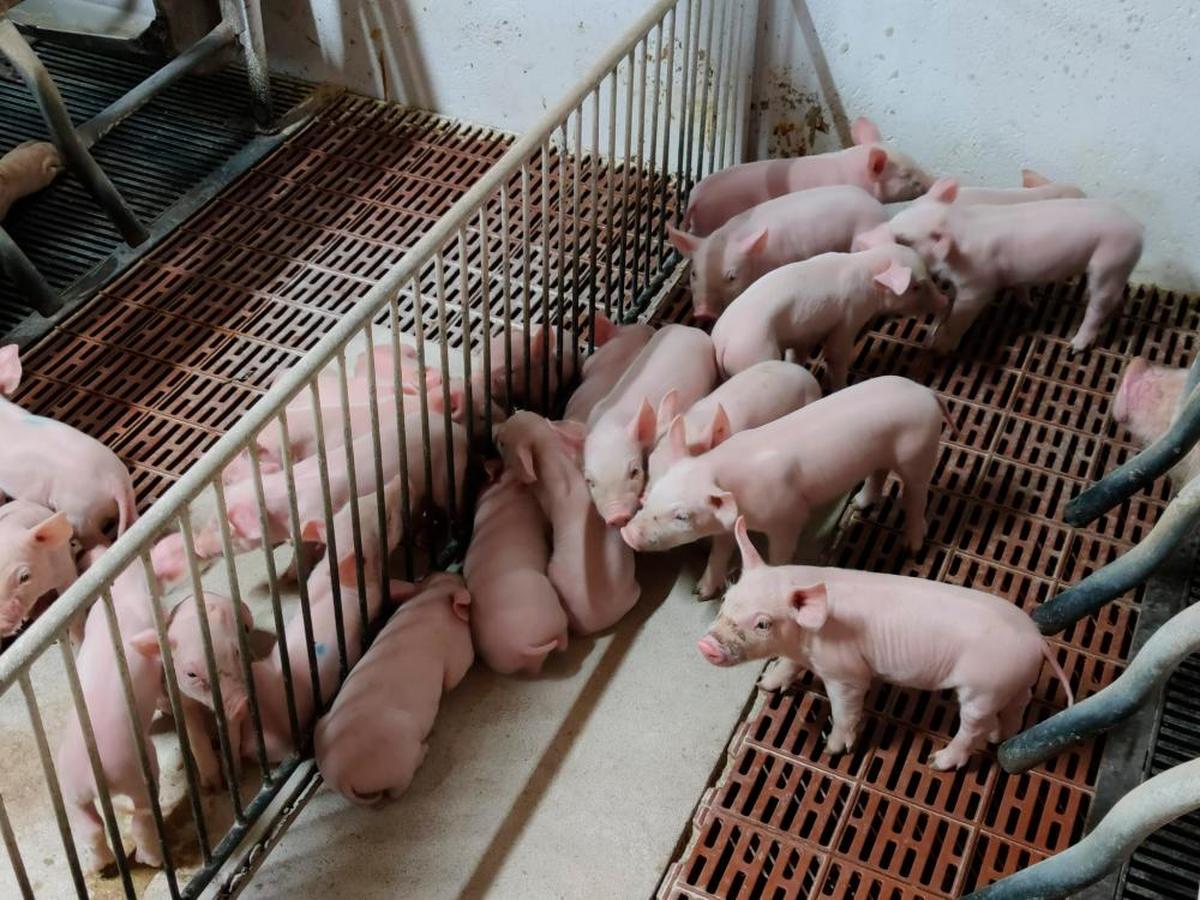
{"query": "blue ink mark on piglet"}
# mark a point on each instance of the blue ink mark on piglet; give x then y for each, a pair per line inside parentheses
(319, 648)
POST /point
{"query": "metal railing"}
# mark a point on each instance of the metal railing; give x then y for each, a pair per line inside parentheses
(568, 224)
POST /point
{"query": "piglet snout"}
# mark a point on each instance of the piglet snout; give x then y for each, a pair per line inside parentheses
(617, 518)
(712, 651)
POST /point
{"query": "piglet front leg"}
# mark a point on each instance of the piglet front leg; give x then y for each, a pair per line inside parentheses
(781, 675)
(846, 702)
(969, 304)
(717, 570)
(195, 720)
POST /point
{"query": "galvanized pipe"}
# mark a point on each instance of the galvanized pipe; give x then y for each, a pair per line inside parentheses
(1177, 522)
(1147, 672)
(246, 16)
(1142, 811)
(14, 853)
(28, 280)
(63, 133)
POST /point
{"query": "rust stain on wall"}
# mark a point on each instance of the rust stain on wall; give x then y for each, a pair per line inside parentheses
(793, 116)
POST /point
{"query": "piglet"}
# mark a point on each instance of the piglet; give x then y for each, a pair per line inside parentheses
(603, 369)
(100, 678)
(35, 558)
(590, 566)
(823, 302)
(1147, 402)
(623, 427)
(27, 169)
(787, 229)
(1033, 187)
(760, 394)
(53, 465)
(850, 627)
(886, 174)
(981, 248)
(372, 741)
(517, 619)
(777, 474)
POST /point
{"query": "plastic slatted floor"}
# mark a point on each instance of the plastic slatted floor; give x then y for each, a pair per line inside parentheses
(785, 819)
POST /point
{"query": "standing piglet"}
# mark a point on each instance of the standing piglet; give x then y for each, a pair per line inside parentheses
(849, 627)
(35, 558)
(772, 234)
(603, 369)
(52, 464)
(372, 741)
(623, 426)
(517, 619)
(777, 474)
(1147, 402)
(590, 566)
(760, 394)
(823, 302)
(886, 174)
(981, 248)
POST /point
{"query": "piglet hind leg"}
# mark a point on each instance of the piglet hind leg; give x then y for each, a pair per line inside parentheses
(968, 306)
(717, 569)
(872, 490)
(846, 702)
(89, 832)
(1106, 293)
(1009, 719)
(977, 718)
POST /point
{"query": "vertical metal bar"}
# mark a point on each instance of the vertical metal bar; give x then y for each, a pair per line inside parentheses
(652, 170)
(246, 15)
(168, 665)
(385, 539)
(406, 511)
(713, 122)
(706, 74)
(285, 662)
(235, 596)
(331, 550)
(56, 800)
(486, 297)
(224, 738)
(65, 138)
(302, 573)
(546, 277)
(102, 792)
(594, 169)
(139, 740)
(14, 853)
(439, 264)
(732, 84)
(35, 290)
(610, 177)
(352, 478)
(526, 298)
(625, 164)
(576, 239)
(639, 225)
(685, 113)
(561, 274)
(506, 242)
(426, 458)
(464, 289)
(664, 177)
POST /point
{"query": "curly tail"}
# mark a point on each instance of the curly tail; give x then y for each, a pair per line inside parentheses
(1058, 672)
(946, 415)
(126, 505)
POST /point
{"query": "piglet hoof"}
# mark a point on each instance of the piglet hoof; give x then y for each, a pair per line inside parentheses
(772, 681)
(98, 859)
(1078, 346)
(839, 741)
(949, 758)
(863, 500)
(148, 856)
(707, 588)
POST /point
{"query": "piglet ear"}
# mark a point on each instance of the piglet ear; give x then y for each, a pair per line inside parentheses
(146, 643)
(755, 243)
(944, 190)
(313, 531)
(1122, 406)
(668, 407)
(719, 429)
(572, 435)
(677, 448)
(685, 243)
(53, 532)
(864, 131)
(604, 328)
(246, 616)
(750, 557)
(348, 570)
(10, 368)
(895, 278)
(810, 606)
(460, 602)
(877, 160)
(526, 471)
(725, 508)
(1032, 179)
(643, 427)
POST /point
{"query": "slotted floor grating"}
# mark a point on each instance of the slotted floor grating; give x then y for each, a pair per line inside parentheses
(785, 819)
(165, 150)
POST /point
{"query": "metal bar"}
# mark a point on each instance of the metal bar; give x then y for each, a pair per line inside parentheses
(1142, 811)
(406, 511)
(486, 297)
(52, 785)
(138, 96)
(594, 169)
(331, 551)
(652, 169)
(62, 132)
(35, 290)
(377, 452)
(687, 178)
(610, 202)
(464, 290)
(545, 261)
(248, 16)
(1147, 672)
(447, 421)
(665, 175)
(14, 853)
(102, 792)
(1177, 521)
(712, 123)
(43, 631)
(355, 523)
(638, 225)
(507, 300)
(419, 321)
(1157, 459)
(728, 37)
(708, 75)
(526, 265)
(685, 114)
(561, 273)
(576, 240)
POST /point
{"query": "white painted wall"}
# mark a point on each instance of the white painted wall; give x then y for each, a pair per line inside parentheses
(1097, 93)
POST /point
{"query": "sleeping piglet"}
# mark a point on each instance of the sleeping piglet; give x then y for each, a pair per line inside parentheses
(603, 369)
(1147, 403)
(823, 302)
(35, 558)
(886, 174)
(517, 619)
(372, 741)
(850, 627)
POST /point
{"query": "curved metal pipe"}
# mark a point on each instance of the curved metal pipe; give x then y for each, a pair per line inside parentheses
(1177, 521)
(26, 277)
(1145, 809)
(1155, 460)
(1155, 662)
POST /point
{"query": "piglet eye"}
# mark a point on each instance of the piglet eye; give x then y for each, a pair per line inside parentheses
(190, 674)
(24, 577)
(681, 516)
(731, 276)
(762, 623)
(635, 471)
